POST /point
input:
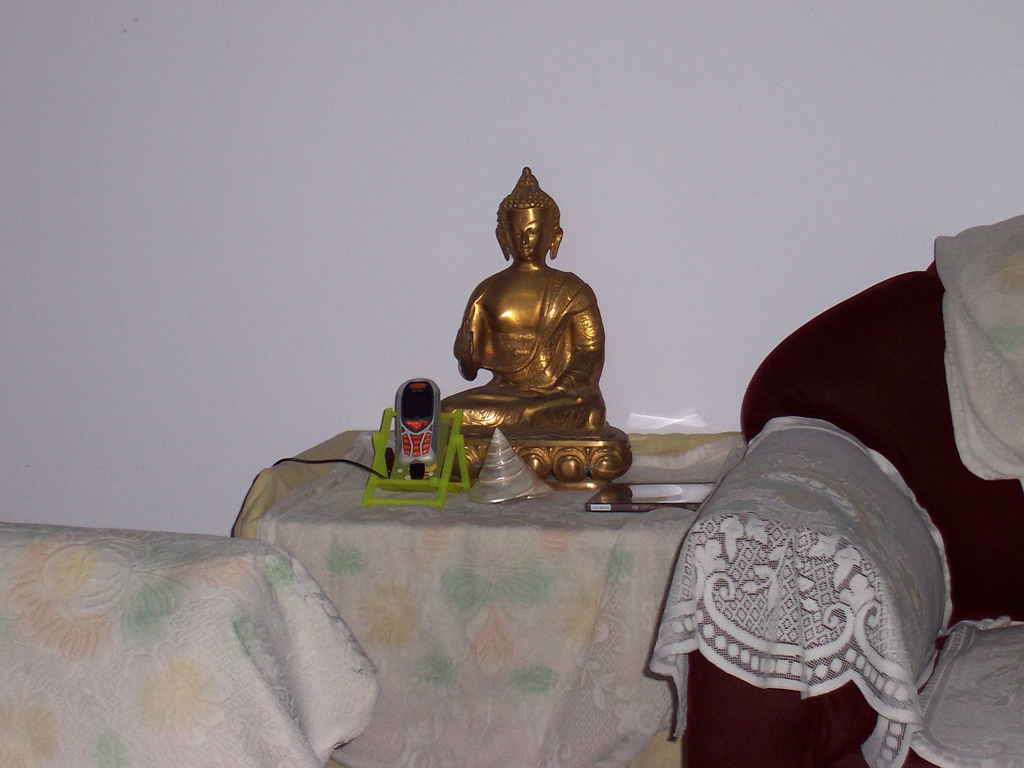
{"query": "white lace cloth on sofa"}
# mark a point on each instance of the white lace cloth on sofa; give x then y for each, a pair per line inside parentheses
(982, 270)
(811, 566)
(974, 701)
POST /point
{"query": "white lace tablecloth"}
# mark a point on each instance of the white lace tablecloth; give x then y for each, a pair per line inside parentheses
(811, 566)
(506, 636)
(129, 649)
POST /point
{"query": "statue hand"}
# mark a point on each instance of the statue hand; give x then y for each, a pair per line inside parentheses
(565, 396)
(547, 391)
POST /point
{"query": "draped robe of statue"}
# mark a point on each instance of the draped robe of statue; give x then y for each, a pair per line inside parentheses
(545, 376)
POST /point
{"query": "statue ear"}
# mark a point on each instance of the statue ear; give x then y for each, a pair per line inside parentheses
(503, 242)
(556, 240)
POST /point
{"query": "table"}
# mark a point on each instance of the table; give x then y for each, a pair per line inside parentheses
(504, 635)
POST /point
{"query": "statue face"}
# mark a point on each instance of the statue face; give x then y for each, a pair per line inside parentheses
(529, 233)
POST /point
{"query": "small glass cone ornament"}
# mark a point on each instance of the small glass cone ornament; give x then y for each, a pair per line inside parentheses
(504, 476)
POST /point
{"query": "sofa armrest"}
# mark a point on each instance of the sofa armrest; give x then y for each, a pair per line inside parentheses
(812, 566)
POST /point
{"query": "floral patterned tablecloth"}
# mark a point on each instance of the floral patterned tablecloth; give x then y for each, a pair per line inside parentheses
(131, 649)
(505, 635)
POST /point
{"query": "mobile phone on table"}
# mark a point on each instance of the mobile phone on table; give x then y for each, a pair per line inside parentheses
(643, 497)
(418, 436)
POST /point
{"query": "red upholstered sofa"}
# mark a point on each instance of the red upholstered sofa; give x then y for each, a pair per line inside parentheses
(873, 366)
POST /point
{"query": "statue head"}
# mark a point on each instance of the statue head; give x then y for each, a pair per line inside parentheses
(528, 222)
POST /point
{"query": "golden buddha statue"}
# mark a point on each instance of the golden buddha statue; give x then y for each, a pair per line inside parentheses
(538, 330)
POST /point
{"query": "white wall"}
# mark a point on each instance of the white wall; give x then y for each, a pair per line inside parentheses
(229, 230)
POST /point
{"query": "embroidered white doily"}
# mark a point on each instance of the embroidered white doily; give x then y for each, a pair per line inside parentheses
(810, 566)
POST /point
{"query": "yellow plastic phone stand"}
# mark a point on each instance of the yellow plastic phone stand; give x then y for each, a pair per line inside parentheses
(435, 486)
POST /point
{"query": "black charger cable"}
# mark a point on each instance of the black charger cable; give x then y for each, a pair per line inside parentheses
(330, 461)
(311, 461)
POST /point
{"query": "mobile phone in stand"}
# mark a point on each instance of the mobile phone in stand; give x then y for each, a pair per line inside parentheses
(418, 438)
